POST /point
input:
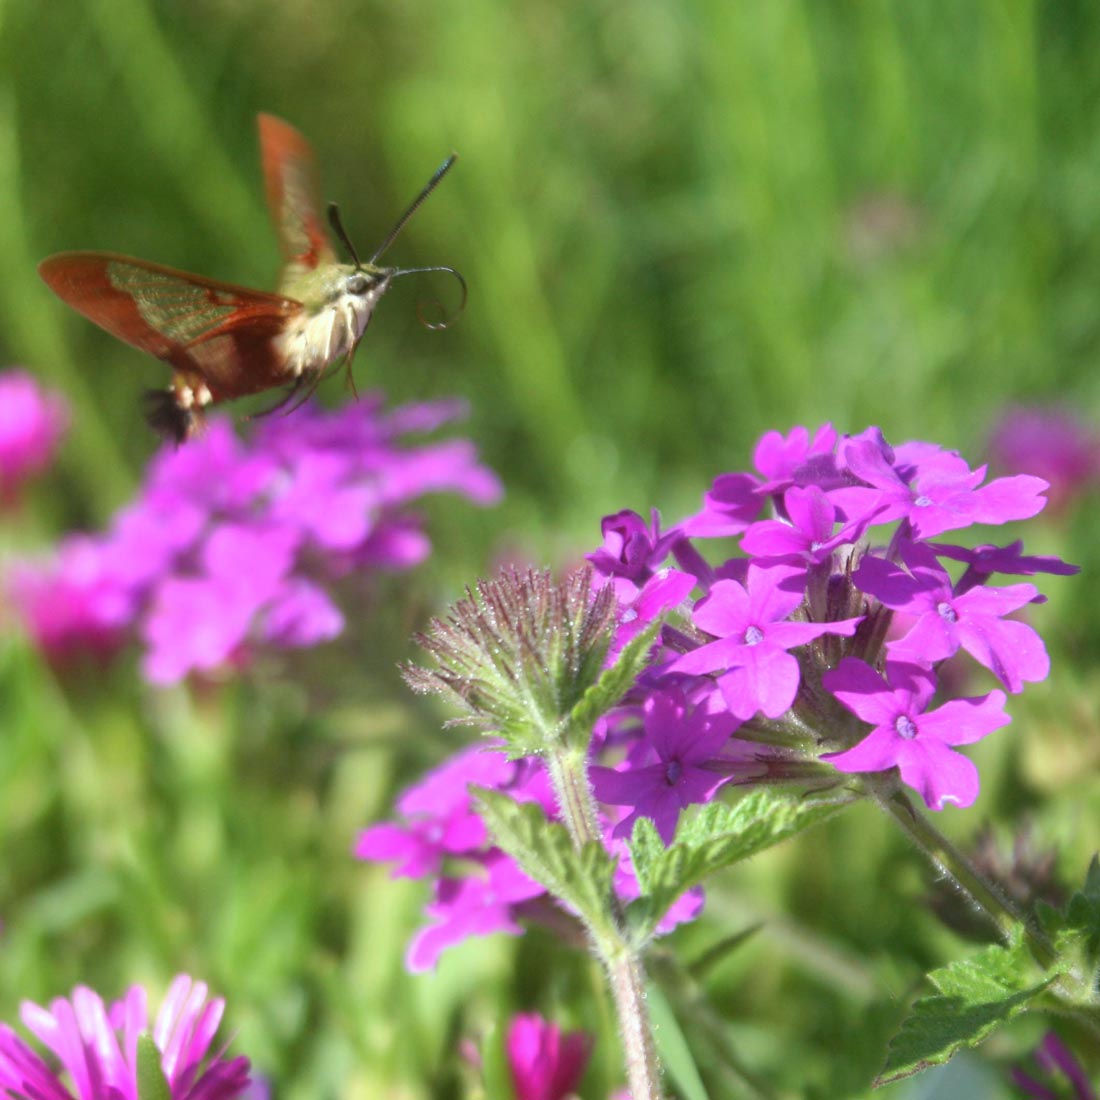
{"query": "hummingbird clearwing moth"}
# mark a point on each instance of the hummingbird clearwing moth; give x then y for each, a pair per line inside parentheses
(225, 341)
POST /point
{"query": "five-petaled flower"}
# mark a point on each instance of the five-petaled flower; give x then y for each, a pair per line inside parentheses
(753, 631)
(945, 622)
(685, 740)
(905, 735)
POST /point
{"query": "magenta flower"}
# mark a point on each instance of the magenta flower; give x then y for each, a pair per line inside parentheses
(97, 1048)
(753, 631)
(808, 534)
(1050, 443)
(32, 422)
(785, 461)
(478, 890)
(733, 693)
(667, 588)
(685, 740)
(945, 622)
(731, 504)
(546, 1063)
(934, 490)
(477, 904)
(1056, 1064)
(439, 820)
(73, 606)
(632, 550)
(233, 546)
(906, 736)
(985, 560)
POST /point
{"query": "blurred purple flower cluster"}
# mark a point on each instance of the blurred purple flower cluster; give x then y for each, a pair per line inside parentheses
(1052, 443)
(96, 1048)
(32, 422)
(232, 544)
(838, 596)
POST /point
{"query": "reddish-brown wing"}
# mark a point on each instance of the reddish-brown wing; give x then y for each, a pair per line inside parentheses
(290, 177)
(224, 333)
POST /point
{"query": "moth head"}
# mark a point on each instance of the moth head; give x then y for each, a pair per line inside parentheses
(363, 281)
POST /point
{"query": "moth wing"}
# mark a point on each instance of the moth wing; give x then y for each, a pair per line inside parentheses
(223, 332)
(290, 177)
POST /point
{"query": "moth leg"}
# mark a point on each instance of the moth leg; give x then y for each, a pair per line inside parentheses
(289, 394)
(315, 381)
(351, 355)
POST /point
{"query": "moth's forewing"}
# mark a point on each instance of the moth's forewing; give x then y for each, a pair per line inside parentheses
(290, 178)
(224, 335)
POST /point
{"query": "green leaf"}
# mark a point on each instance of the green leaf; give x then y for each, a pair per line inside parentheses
(720, 951)
(151, 1082)
(676, 1056)
(1081, 922)
(975, 998)
(544, 850)
(495, 1072)
(613, 684)
(716, 837)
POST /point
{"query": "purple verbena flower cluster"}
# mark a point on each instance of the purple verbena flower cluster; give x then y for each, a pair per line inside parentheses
(477, 888)
(32, 422)
(838, 599)
(96, 1047)
(811, 654)
(233, 545)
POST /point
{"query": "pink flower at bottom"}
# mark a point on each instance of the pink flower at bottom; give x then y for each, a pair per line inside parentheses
(97, 1047)
(546, 1063)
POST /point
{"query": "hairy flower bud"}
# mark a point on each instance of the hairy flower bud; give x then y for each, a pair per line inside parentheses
(518, 652)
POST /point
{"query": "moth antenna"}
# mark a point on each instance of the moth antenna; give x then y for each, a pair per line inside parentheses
(342, 233)
(428, 188)
(420, 316)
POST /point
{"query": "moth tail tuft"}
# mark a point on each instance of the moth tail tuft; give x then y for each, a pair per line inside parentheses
(167, 418)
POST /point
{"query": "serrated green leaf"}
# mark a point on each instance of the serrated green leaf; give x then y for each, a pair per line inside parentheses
(151, 1082)
(544, 851)
(613, 683)
(975, 997)
(1075, 929)
(715, 838)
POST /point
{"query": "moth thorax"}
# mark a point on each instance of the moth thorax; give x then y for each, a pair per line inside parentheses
(313, 341)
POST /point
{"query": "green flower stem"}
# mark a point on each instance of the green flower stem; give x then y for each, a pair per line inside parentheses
(643, 1069)
(1005, 915)
(622, 962)
(1069, 989)
(569, 778)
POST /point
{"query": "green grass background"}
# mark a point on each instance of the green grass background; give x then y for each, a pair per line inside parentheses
(682, 224)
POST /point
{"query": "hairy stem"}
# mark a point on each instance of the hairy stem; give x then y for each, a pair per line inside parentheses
(1005, 915)
(622, 962)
